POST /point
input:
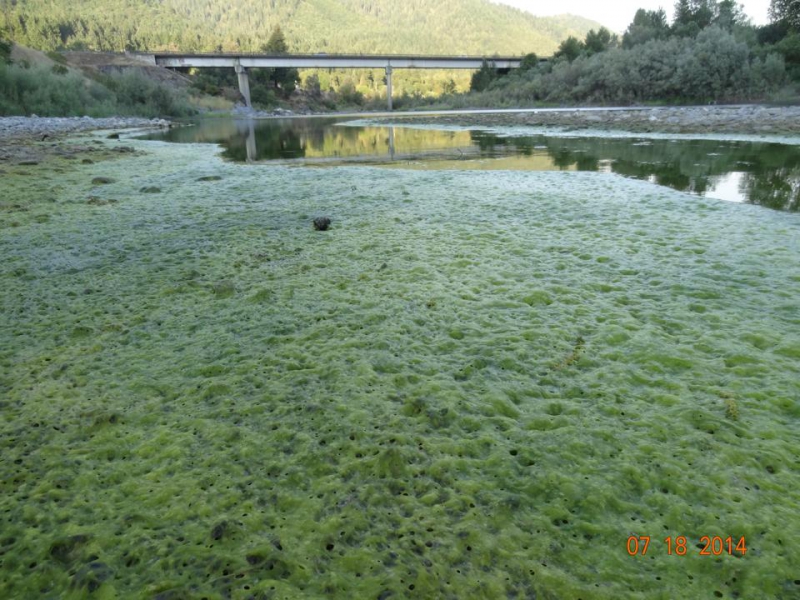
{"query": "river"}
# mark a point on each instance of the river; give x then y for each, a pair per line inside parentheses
(732, 168)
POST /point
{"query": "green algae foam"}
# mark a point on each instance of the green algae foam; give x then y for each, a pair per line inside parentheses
(472, 385)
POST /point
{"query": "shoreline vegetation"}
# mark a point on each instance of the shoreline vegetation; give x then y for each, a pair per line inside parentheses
(709, 54)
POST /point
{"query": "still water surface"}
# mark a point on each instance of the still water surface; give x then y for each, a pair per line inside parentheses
(763, 173)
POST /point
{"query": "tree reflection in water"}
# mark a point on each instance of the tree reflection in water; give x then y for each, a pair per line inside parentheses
(767, 174)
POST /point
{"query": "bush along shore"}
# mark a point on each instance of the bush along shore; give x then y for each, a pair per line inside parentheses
(62, 92)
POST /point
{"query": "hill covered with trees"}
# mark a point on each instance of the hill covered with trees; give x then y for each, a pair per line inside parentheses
(368, 26)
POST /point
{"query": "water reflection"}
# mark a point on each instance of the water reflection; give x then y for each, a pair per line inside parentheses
(766, 174)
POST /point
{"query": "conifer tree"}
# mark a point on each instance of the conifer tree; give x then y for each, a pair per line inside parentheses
(282, 78)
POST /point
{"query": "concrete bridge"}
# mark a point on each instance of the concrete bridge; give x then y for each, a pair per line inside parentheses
(388, 62)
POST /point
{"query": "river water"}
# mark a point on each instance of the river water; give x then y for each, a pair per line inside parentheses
(758, 172)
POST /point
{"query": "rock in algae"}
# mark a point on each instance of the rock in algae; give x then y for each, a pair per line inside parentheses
(322, 223)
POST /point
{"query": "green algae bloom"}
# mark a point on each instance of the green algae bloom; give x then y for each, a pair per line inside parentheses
(475, 385)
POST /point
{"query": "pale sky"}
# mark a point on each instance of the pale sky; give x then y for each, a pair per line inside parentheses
(618, 14)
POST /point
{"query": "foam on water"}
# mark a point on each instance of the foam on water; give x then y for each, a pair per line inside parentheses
(474, 385)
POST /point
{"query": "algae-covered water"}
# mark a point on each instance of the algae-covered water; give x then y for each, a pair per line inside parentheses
(475, 384)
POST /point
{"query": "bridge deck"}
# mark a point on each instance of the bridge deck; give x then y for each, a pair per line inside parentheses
(327, 61)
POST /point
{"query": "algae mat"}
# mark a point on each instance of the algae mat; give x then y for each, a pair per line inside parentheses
(474, 385)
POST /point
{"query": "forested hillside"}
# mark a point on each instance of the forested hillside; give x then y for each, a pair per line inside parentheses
(369, 26)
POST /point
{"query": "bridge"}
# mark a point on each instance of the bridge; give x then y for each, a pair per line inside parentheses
(388, 62)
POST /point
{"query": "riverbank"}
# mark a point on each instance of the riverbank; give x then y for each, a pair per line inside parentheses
(29, 141)
(740, 119)
(745, 119)
(40, 128)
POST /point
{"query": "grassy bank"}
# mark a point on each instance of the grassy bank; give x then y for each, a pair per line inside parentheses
(60, 92)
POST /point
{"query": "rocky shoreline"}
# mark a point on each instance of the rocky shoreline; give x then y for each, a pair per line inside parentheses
(749, 119)
(40, 128)
(29, 141)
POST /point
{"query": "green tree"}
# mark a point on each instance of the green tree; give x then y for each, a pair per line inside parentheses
(483, 77)
(715, 66)
(692, 16)
(647, 25)
(570, 49)
(786, 10)
(704, 12)
(683, 13)
(598, 41)
(789, 47)
(528, 62)
(772, 33)
(282, 79)
(276, 43)
(729, 14)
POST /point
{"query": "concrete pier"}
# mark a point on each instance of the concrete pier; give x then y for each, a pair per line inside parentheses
(244, 83)
(389, 85)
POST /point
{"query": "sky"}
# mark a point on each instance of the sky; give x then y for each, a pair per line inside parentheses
(617, 14)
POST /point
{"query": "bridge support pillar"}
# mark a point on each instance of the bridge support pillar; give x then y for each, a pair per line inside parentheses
(244, 83)
(389, 85)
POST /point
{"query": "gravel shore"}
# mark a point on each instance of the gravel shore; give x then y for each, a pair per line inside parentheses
(749, 119)
(27, 141)
(38, 128)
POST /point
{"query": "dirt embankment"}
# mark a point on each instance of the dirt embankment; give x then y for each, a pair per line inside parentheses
(109, 63)
(750, 119)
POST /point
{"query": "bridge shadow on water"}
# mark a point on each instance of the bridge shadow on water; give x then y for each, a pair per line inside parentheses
(767, 174)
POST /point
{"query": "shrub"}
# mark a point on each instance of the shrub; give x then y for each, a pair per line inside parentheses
(312, 86)
(713, 66)
(263, 95)
(137, 95)
(60, 93)
(39, 90)
(350, 95)
(528, 62)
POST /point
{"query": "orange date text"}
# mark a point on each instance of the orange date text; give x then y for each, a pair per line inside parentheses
(638, 545)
